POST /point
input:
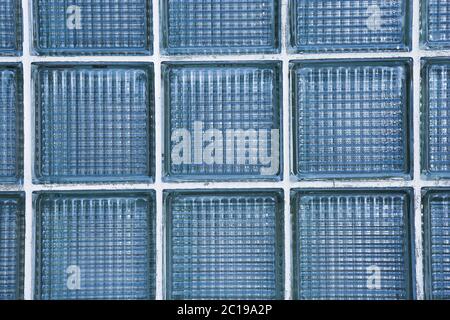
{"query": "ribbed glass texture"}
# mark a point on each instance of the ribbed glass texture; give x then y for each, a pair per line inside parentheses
(225, 245)
(94, 245)
(220, 27)
(436, 118)
(435, 27)
(12, 235)
(222, 121)
(351, 119)
(11, 141)
(10, 27)
(86, 27)
(93, 123)
(437, 244)
(349, 25)
(352, 245)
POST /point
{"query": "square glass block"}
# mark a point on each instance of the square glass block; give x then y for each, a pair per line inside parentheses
(436, 118)
(350, 25)
(220, 27)
(225, 245)
(436, 205)
(95, 245)
(222, 121)
(12, 237)
(86, 27)
(351, 119)
(435, 24)
(10, 27)
(94, 123)
(353, 244)
(11, 124)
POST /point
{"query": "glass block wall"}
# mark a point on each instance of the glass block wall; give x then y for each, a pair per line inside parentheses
(264, 149)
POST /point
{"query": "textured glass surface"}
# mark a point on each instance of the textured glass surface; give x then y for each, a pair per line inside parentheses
(94, 245)
(436, 118)
(352, 244)
(225, 245)
(349, 25)
(435, 27)
(437, 244)
(222, 121)
(351, 119)
(221, 27)
(86, 27)
(10, 27)
(93, 123)
(11, 141)
(12, 235)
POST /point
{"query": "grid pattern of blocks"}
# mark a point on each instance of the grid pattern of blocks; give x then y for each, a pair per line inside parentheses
(269, 115)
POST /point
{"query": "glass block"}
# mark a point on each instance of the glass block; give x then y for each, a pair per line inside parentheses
(436, 118)
(222, 121)
(220, 27)
(224, 244)
(85, 27)
(350, 25)
(11, 124)
(12, 237)
(95, 245)
(436, 206)
(435, 24)
(94, 123)
(10, 27)
(353, 244)
(351, 119)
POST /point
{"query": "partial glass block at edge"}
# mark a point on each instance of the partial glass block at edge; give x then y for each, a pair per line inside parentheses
(10, 28)
(11, 124)
(12, 244)
(352, 119)
(94, 123)
(353, 244)
(435, 131)
(350, 25)
(95, 245)
(435, 24)
(220, 27)
(224, 244)
(222, 121)
(84, 27)
(436, 242)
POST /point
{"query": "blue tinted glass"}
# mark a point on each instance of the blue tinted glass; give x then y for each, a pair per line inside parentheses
(93, 123)
(12, 235)
(223, 27)
(350, 25)
(95, 245)
(435, 24)
(222, 121)
(225, 245)
(10, 27)
(11, 141)
(351, 119)
(352, 244)
(86, 27)
(436, 113)
(437, 244)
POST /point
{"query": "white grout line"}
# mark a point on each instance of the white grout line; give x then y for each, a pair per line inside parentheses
(286, 184)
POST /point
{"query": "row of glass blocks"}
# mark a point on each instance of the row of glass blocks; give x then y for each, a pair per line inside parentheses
(222, 121)
(84, 27)
(226, 244)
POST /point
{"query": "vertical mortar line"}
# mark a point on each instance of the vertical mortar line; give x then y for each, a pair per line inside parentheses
(158, 155)
(28, 145)
(416, 54)
(286, 152)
